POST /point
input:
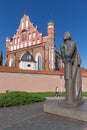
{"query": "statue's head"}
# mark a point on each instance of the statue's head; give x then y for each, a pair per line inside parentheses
(67, 36)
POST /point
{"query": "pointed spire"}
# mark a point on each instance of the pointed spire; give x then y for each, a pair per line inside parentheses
(25, 11)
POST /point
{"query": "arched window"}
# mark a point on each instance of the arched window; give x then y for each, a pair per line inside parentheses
(24, 35)
(22, 25)
(11, 62)
(38, 62)
(27, 23)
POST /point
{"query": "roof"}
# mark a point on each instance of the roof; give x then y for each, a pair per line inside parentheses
(84, 72)
(27, 57)
(17, 70)
(50, 22)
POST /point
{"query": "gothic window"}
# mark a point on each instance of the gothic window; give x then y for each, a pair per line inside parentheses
(29, 36)
(11, 62)
(27, 23)
(21, 45)
(34, 34)
(22, 25)
(29, 44)
(11, 48)
(38, 41)
(15, 47)
(15, 41)
(24, 37)
(38, 62)
(25, 44)
(33, 42)
(18, 40)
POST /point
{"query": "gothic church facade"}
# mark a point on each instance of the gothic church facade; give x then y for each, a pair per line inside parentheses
(29, 49)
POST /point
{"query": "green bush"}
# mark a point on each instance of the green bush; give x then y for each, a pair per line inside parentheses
(18, 98)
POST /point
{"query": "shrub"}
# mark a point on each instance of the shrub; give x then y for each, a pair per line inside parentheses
(18, 98)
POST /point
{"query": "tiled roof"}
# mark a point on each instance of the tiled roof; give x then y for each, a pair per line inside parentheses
(84, 72)
(17, 70)
(27, 57)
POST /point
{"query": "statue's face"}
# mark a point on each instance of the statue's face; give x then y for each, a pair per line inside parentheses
(67, 36)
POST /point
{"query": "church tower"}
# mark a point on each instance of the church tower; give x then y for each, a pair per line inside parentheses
(51, 42)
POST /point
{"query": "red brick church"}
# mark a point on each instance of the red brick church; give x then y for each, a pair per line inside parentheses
(29, 49)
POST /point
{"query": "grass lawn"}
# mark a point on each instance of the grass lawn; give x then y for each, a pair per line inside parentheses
(47, 94)
(52, 94)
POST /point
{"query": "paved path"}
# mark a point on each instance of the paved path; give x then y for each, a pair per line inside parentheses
(32, 117)
(60, 97)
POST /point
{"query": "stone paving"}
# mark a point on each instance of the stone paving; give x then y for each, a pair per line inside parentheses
(32, 117)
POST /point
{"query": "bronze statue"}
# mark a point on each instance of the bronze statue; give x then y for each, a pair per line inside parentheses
(72, 72)
(1, 58)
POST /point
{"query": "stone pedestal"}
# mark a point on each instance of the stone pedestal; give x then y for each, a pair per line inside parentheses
(72, 111)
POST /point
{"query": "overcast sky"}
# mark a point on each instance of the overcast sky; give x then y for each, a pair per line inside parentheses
(68, 15)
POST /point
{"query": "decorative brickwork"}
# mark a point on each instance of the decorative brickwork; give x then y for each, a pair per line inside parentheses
(29, 39)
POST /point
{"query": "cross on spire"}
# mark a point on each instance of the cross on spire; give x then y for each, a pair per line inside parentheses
(25, 11)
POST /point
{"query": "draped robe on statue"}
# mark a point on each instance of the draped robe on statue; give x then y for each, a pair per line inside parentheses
(72, 72)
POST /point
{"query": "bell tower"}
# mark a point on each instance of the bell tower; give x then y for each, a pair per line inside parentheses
(51, 43)
(51, 30)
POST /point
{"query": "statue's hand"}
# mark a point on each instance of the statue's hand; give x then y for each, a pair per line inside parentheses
(69, 60)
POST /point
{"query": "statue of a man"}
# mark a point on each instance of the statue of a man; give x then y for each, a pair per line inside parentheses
(72, 72)
(1, 58)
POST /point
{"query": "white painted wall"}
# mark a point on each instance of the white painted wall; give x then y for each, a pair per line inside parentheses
(24, 65)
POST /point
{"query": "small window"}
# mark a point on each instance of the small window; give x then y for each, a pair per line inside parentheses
(11, 48)
(25, 44)
(22, 25)
(28, 65)
(29, 44)
(34, 34)
(38, 41)
(29, 36)
(27, 23)
(21, 45)
(29, 57)
(33, 42)
(18, 40)
(14, 47)
(17, 46)
(15, 41)
(24, 37)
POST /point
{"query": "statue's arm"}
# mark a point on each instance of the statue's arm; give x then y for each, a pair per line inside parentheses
(62, 50)
(71, 50)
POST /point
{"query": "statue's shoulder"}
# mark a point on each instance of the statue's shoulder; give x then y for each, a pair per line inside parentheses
(62, 45)
(73, 44)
